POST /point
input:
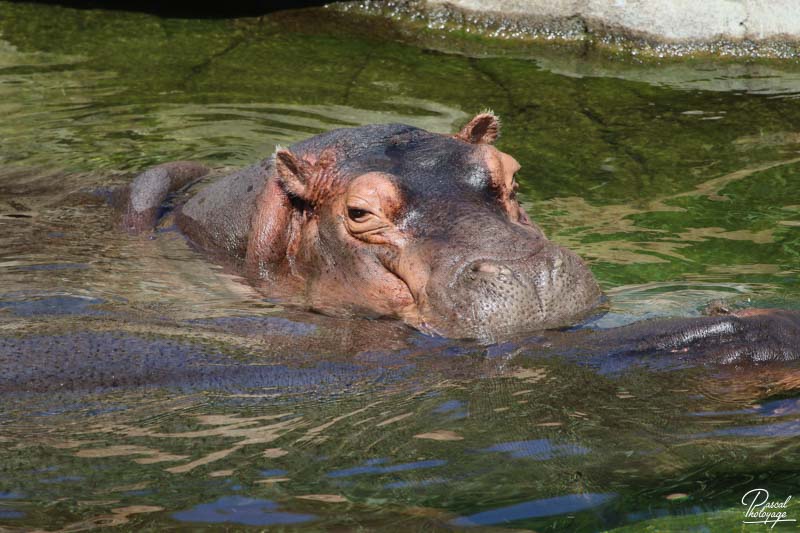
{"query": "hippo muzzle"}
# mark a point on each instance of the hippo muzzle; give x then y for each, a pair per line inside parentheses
(491, 299)
(494, 278)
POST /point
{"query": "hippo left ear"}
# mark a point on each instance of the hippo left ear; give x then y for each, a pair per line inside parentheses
(294, 173)
(310, 181)
(484, 128)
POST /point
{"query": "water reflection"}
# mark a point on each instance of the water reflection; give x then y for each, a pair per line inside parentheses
(144, 386)
(787, 429)
(533, 509)
(539, 449)
(369, 467)
(241, 510)
(30, 305)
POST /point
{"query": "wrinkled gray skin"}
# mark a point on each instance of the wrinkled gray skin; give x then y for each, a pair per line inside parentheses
(456, 255)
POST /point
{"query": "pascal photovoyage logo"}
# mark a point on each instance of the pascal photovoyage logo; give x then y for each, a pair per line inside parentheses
(762, 510)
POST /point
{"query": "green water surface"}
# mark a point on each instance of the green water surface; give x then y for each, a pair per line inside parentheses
(678, 182)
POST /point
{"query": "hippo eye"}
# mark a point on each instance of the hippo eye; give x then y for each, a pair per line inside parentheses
(357, 215)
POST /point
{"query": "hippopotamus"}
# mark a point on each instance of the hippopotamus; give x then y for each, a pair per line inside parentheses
(393, 221)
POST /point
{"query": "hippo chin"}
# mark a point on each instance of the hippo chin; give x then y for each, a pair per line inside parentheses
(395, 221)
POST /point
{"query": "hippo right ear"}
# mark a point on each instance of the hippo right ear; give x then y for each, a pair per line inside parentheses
(484, 128)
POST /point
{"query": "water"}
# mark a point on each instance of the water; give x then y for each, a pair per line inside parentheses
(144, 387)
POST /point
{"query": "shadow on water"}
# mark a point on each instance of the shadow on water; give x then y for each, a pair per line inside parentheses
(215, 10)
(144, 387)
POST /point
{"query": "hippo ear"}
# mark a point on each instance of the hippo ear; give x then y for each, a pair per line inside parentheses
(484, 128)
(272, 222)
(294, 173)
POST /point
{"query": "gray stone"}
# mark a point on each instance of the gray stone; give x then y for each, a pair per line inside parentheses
(668, 20)
(769, 28)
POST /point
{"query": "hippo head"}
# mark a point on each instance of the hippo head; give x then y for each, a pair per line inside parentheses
(395, 221)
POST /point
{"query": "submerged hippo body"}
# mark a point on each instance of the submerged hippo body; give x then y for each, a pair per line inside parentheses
(395, 221)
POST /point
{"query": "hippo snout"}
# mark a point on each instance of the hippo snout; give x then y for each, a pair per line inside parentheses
(491, 298)
(499, 296)
(488, 269)
(498, 290)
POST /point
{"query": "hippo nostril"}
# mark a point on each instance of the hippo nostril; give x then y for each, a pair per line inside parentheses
(485, 267)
